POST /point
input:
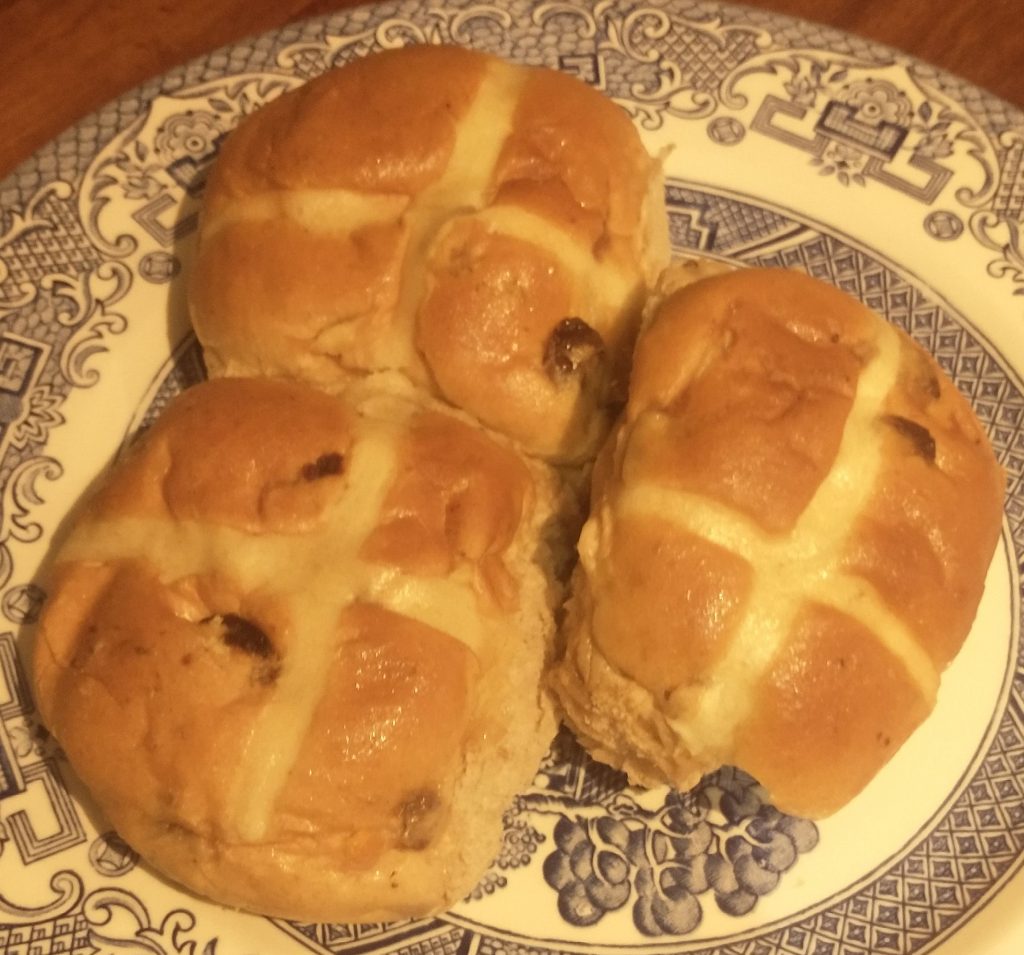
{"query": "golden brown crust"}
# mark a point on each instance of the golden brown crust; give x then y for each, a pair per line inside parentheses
(447, 229)
(833, 707)
(328, 134)
(240, 479)
(240, 594)
(821, 507)
(767, 376)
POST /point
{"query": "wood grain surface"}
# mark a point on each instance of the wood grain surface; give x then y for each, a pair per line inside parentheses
(62, 59)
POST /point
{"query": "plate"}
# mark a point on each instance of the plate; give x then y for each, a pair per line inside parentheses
(789, 144)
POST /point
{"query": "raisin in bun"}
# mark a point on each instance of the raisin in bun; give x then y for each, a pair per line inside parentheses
(293, 647)
(488, 229)
(789, 533)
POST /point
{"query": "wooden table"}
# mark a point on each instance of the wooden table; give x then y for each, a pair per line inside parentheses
(61, 59)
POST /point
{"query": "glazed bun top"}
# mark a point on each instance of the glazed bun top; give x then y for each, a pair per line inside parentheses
(488, 229)
(814, 506)
(281, 630)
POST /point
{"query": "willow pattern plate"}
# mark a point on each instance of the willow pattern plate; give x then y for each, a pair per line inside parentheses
(791, 144)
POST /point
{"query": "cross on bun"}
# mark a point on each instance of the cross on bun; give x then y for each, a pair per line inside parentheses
(294, 645)
(788, 538)
(488, 229)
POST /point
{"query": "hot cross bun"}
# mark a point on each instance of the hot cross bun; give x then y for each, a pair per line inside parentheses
(294, 647)
(488, 229)
(788, 538)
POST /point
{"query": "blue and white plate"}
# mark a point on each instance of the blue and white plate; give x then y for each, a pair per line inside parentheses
(791, 144)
